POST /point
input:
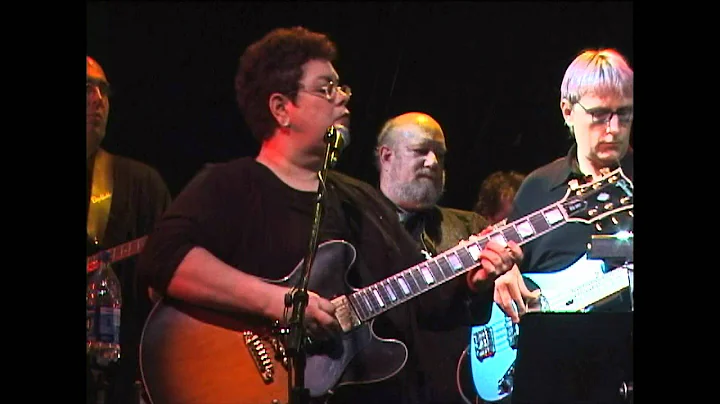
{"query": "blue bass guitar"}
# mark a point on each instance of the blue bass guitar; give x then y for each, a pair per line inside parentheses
(492, 351)
(492, 348)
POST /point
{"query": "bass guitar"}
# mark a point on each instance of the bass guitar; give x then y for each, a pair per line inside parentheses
(190, 354)
(578, 288)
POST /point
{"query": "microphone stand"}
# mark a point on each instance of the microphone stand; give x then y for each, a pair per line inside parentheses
(298, 298)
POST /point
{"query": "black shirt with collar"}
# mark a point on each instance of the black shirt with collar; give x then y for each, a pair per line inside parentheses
(562, 246)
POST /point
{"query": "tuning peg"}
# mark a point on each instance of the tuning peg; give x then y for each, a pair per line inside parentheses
(614, 220)
(630, 212)
(598, 226)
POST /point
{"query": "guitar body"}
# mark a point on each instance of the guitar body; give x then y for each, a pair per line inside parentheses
(193, 355)
(493, 346)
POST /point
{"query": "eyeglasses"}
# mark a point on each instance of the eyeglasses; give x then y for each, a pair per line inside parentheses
(604, 115)
(92, 85)
(329, 91)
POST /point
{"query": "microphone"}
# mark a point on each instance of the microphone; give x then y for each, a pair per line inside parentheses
(338, 137)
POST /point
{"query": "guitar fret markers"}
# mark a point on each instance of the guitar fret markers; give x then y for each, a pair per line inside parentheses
(427, 275)
(403, 285)
(499, 238)
(525, 229)
(474, 251)
(389, 290)
(379, 299)
(383, 293)
(553, 216)
(454, 261)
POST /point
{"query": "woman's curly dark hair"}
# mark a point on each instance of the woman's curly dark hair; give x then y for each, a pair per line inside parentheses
(273, 64)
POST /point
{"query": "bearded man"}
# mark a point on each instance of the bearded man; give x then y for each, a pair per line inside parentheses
(410, 155)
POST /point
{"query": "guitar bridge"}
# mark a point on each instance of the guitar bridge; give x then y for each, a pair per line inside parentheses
(260, 356)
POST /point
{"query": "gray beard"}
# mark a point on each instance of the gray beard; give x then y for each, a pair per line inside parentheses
(420, 193)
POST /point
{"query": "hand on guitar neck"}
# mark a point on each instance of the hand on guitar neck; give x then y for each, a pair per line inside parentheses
(494, 264)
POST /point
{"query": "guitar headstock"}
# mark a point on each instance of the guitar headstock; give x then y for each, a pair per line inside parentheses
(608, 195)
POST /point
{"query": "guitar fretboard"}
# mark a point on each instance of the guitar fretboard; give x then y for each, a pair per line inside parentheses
(121, 251)
(379, 297)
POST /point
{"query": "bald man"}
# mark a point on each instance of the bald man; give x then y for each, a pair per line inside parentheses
(410, 155)
(124, 199)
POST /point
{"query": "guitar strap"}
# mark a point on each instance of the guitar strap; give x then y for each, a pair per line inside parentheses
(100, 196)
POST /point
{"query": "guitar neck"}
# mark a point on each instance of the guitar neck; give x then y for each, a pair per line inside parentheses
(379, 297)
(121, 251)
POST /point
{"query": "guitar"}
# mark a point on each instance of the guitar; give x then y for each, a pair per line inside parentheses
(117, 253)
(190, 354)
(577, 288)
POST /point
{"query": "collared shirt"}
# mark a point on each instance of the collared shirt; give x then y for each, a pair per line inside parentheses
(562, 246)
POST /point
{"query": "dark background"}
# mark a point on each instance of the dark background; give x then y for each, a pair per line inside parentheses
(489, 72)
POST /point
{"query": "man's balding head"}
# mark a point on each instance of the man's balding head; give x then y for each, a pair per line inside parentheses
(408, 123)
(410, 155)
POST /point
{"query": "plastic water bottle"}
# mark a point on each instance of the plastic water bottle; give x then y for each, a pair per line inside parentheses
(104, 302)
